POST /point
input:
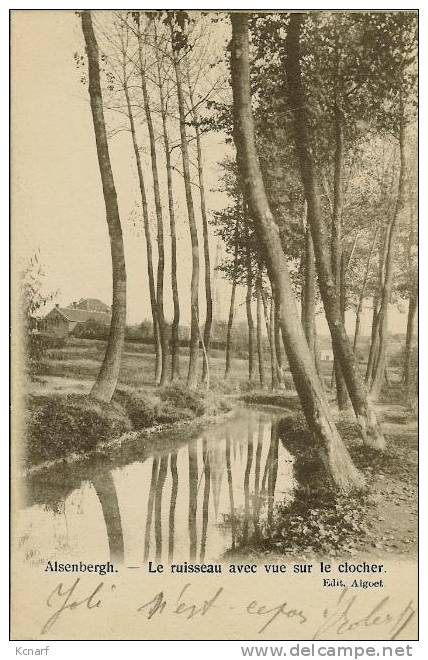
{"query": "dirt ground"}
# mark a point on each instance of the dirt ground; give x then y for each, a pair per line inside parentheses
(393, 520)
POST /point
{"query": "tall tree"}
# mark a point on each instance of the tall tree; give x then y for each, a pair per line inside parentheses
(381, 321)
(228, 355)
(316, 410)
(259, 285)
(308, 286)
(178, 24)
(163, 334)
(365, 413)
(106, 382)
(250, 322)
(336, 224)
(207, 259)
(144, 205)
(175, 348)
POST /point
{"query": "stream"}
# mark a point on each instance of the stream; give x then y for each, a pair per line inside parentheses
(182, 498)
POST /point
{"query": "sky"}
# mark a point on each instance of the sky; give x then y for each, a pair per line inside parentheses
(57, 202)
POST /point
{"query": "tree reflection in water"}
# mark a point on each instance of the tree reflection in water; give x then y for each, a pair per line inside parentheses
(219, 517)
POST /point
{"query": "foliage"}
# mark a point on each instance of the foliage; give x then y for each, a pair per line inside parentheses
(61, 425)
(91, 329)
(34, 297)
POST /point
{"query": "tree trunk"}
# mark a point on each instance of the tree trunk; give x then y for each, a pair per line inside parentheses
(363, 290)
(337, 459)
(272, 345)
(381, 328)
(407, 371)
(163, 334)
(374, 345)
(208, 289)
(232, 305)
(106, 382)
(250, 318)
(192, 375)
(308, 298)
(175, 348)
(278, 348)
(366, 416)
(270, 331)
(336, 243)
(216, 306)
(262, 377)
(148, 238)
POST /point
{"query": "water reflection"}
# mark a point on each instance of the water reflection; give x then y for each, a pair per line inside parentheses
(212, 494)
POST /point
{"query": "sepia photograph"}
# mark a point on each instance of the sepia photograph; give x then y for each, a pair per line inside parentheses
(214, 247)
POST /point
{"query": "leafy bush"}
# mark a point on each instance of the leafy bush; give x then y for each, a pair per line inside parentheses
(182, 397)
(60, 425)
(91, 329)
(140, 407)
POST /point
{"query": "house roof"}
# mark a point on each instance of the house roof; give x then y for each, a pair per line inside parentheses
(92, 303)
(81, 315)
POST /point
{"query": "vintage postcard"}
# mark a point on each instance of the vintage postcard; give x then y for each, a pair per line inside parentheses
(214, 325)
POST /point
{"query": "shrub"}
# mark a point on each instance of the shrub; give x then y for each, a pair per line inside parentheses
(182, 397)
(60, 425)
(91, 329)
(141, 407)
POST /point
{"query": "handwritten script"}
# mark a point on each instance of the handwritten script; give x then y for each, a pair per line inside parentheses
(341, 619)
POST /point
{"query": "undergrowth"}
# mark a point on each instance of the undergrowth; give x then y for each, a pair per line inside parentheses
(62, 424)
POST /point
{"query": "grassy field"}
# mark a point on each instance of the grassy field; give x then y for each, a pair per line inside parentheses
(74, 368)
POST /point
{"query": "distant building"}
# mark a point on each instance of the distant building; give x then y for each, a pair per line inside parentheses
(326, 355)
(61, 321)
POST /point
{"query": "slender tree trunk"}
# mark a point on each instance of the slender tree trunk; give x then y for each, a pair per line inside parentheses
(337, 459)
(262, 376)
(363, 289)
(308, 298)
(215, 281)
(277, 338)
(106, 381)
(250, 321)
(148, 238)
(163, 333)
(272, 345)
(407, 367)
(175, 348)
(366, 416)
(374, 345)
(270, 332)
(232, 305)
(207, 259)
(336, 243)
(192, 375)
(381, 328)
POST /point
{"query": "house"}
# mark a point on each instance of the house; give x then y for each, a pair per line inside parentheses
(326, 355)
(61, 321)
